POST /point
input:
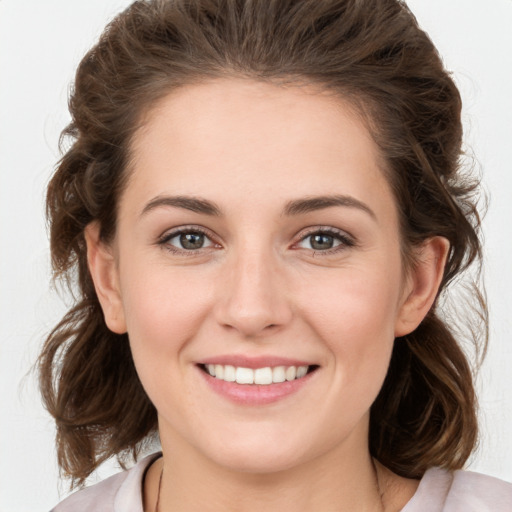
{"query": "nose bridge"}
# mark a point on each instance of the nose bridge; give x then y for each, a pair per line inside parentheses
(255, 295)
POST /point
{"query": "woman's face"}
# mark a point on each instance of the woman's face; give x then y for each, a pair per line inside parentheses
(257, 235)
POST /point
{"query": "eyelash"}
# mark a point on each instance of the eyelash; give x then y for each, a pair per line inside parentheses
(164, 240)
(346, 241)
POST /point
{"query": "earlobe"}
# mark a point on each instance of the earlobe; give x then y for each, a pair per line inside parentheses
(104, 273)
(422, 284)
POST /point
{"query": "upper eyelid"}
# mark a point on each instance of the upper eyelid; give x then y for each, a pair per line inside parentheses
(323, 229)
(172, 232)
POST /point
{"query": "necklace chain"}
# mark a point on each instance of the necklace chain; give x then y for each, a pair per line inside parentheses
(157, 506)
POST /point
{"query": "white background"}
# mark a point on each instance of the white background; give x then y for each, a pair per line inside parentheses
(41, 42)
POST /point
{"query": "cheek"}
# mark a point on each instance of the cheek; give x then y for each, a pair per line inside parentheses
(354, 302)
(164, 310)
(163, 307)
(354, 314)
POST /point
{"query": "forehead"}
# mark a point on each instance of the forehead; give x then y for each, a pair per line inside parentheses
(258, 111)
(217, 136)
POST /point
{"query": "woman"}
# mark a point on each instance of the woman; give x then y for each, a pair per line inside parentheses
(262, 204)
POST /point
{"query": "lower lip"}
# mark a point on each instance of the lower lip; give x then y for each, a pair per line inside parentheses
(255, 394)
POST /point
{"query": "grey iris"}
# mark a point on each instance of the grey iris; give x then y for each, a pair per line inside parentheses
(192, 240)
(321, 242)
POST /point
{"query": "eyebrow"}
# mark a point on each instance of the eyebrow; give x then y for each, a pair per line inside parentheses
(295, 207)
(186, 202)
(310, 204)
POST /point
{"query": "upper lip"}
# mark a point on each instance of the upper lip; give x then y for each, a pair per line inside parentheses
(254, 362)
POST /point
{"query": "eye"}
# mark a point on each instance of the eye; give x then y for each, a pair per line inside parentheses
(186, 240)
(319, 242)
(325, 240)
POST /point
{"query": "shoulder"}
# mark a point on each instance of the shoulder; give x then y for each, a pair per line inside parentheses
(480, 492)
(120, 492)
(460, 491)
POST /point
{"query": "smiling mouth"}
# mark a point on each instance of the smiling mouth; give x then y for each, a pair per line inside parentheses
(259, 376)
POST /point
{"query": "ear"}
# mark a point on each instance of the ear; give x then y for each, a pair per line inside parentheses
(422, 284)
(104, 273)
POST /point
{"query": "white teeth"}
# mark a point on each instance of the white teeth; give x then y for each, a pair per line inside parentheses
(262, 376)
(219, 371)
(301, 371)
(279, 374)
(291, 373)
(244, 376)
(229, 373)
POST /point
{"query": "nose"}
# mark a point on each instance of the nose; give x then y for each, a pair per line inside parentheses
(253, 300)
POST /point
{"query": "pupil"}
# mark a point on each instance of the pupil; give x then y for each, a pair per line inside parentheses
(320, 242)
(192, 240)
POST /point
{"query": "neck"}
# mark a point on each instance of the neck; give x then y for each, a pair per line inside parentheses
(336, 481)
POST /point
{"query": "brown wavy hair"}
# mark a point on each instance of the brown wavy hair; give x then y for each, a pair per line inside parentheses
(369, 52)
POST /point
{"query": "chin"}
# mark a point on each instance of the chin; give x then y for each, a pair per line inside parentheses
(258, 462)
(259, 453)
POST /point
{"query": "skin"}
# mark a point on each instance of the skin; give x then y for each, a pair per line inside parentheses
(257, 287)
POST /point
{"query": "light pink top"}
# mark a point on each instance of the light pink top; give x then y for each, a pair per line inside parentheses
(439, 491)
